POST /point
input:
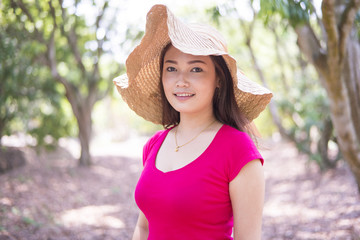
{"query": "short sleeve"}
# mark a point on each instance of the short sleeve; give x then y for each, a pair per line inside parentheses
(243, 150)
(149, 144)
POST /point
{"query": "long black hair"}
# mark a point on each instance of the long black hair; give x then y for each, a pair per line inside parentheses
(225, 107)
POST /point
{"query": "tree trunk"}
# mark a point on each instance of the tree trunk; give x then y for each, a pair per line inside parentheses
(342, 79)
(60, 26)
(85, 129)
(344, 128)
(345, 113)
(326, 135)
(338, 68)
(2, 126)
(82, 109)
(81, 106)
(336, 83)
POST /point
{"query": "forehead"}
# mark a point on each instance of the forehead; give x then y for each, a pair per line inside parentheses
(173, 53)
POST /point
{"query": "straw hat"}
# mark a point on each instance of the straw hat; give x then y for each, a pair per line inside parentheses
(140, 87)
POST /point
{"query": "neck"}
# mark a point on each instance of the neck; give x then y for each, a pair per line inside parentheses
(190, 123)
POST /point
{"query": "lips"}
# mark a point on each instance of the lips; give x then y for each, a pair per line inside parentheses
(184, 94)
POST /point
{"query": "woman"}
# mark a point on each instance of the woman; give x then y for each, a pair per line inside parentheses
(202, 176)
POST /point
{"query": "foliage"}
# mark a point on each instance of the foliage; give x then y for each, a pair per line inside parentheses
(29, 99)
(295, 11)
(305, 111)
(314, 45)
(300, 100)
(76, 53)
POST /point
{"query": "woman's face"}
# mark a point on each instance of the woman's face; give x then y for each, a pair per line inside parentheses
(189, 81)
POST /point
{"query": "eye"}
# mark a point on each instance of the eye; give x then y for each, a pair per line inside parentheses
(196, 69)
(171, 69)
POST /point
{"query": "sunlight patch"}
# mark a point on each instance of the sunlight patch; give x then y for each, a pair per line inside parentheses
(282, 209)
(104, 215)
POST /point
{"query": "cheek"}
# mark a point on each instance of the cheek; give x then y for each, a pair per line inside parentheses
(210, 84)
(167, 87)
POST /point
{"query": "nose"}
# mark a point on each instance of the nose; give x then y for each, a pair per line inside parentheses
(182, 81)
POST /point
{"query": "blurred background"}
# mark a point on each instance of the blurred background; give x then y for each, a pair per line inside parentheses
(70, 148)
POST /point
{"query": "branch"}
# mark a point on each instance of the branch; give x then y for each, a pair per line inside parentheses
(38, 34)
(248, 30)
(52, 63)
(72, 40)
(52, 12)
(311, 48)
(319, 22)
(94, 95)
(110, 84)
(346, 24)
(21, 4)
(272, 105)
(279, 58)
(329, 20)
(99, 41)
(99, 18)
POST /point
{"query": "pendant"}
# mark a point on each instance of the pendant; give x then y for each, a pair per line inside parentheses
(176, 149)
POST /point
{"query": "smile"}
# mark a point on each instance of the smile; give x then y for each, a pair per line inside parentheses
(184, 94)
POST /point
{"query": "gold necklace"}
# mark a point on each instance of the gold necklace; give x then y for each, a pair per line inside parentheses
(179, 146)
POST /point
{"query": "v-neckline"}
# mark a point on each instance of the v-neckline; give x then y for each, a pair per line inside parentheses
(193, 162)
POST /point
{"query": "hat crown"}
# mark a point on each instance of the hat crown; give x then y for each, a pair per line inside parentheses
(195, 38)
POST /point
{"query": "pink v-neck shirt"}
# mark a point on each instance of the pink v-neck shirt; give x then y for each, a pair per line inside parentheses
(193, 202)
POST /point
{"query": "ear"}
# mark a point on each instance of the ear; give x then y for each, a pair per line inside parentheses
(218, 82)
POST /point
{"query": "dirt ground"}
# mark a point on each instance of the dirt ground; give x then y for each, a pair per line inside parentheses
(51, 198)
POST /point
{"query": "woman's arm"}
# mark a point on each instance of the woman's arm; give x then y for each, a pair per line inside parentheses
(141, 231)
(247, 198)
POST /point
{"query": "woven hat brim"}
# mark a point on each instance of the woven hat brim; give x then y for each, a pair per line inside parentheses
(143, 100)
(251, 98)
(140, 87)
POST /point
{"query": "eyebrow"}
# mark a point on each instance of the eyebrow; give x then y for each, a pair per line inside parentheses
(190, 62)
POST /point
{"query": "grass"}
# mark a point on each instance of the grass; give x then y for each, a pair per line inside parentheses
(30, 221)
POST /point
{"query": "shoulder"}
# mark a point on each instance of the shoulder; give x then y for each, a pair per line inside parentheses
(152, 141)
(154, 138)
(240, 150)
(156, 135)
(234, 136)
(239, 144)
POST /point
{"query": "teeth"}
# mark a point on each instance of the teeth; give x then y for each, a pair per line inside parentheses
(184, 95)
